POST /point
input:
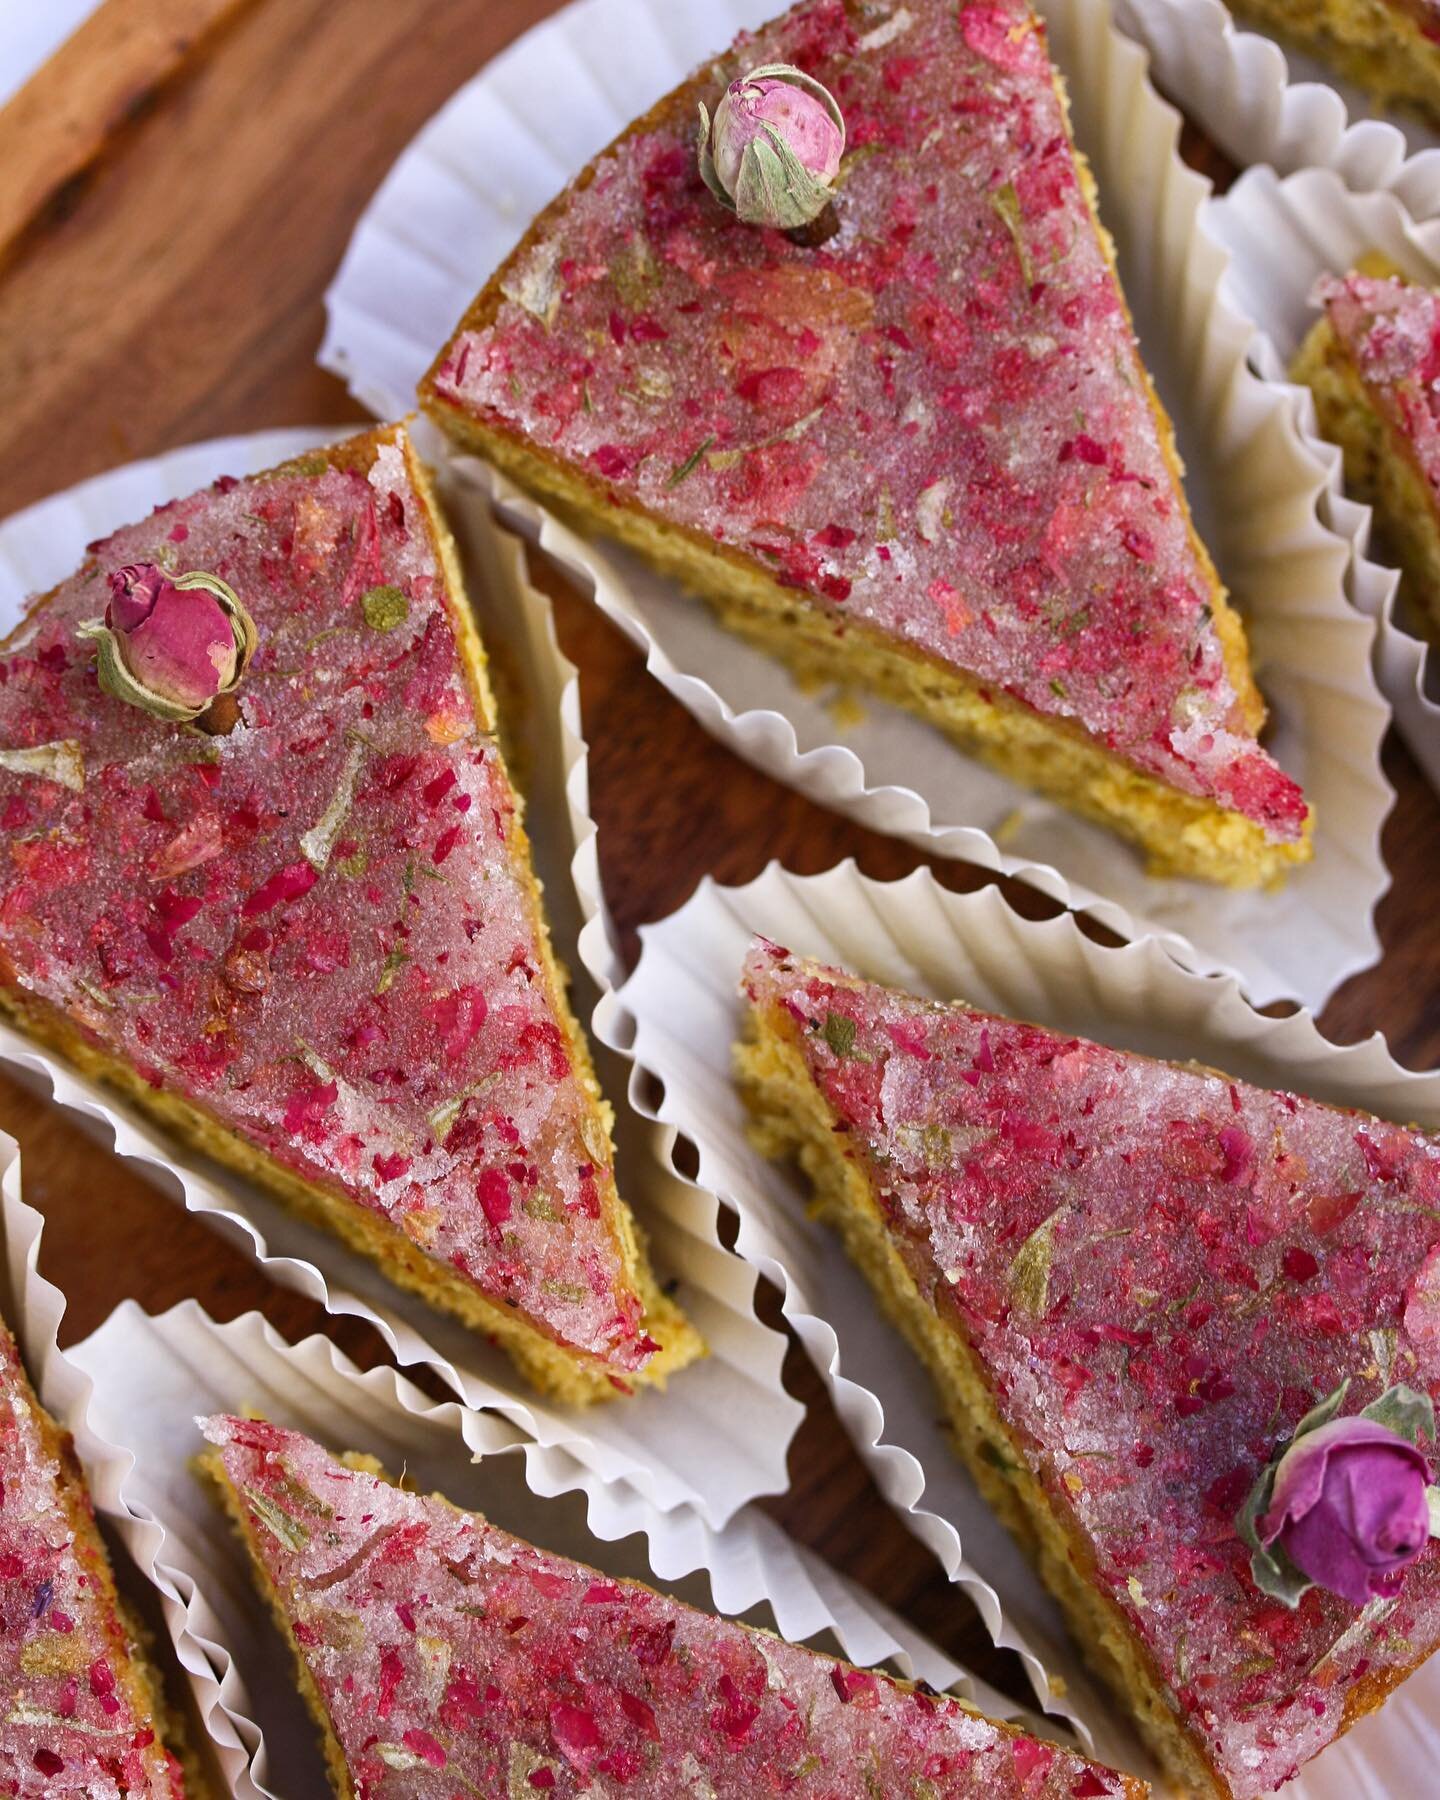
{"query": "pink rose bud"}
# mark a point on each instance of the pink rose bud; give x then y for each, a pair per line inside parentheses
(133, 593)
(755, 109)
(177, 643)
(773, 149)
(1348, 1507)
(171, 646)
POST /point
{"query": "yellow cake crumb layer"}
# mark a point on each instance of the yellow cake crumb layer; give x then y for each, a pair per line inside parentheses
(1377, 44)
(564, 1374)
(210, 1466)
(171, 1723)
(791, 1118)
(1180, 834)
(1380, 466)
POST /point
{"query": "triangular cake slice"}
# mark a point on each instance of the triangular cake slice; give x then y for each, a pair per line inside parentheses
(1372, 360)
(83, 1710)
(314, 945)
(923, 454)
(430, 1641)
(1130, 1281)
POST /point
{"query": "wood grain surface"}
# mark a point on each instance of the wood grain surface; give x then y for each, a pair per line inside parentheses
(172, 293)
(103, 79)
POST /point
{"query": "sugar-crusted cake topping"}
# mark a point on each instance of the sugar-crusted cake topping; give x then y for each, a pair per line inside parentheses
(935, 424)
(315, 927)
(1161, 1270)
(1390, 330)
(70, 1723)
(472, 1662)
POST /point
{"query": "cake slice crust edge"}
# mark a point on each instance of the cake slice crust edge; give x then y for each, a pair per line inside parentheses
(555, 1369)
(1380, 467)
(1380, 47)
(1180, 834)
(209, 1467)
(139, 1672)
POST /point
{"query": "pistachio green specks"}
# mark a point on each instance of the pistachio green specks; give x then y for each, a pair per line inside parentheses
(1006, 203)
(384, 607)
(63, 761)
(281, 1525)
(839, 1034)
(1030, 1271)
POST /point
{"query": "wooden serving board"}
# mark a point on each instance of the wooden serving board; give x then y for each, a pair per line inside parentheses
(178, 186)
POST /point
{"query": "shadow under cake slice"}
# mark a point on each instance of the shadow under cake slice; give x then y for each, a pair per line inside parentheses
(314, 945)
(428, 1640)
(1129, 1280)
(923, 456)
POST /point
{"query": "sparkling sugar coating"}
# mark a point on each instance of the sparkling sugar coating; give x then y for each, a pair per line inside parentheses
(453, 1658)
(1390, 330)
(70, 1722)
(315, 928)
(1161, 1270)
(936, 423)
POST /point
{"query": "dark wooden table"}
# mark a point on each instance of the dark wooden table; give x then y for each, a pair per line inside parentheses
(178, 186)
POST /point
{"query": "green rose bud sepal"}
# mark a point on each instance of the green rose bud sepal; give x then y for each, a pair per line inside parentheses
(171, 647)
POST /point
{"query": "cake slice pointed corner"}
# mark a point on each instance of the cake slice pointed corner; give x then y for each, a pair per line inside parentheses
(923, 455)
(313, 944)
(429, 1641)
(1130, 1281)
(84, 1709)
(1371, 360)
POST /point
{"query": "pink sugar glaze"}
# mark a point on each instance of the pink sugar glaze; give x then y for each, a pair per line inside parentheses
(69, 1726)
(381, 1025)
(937, 423)
(453, 1658)
(1391, 332)
(1161, 1270)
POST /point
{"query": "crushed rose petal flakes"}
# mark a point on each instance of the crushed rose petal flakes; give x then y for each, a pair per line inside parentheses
(937, 423)
(61, 1736)
(360, 1001)
(514, 1671)
(1150, 1263)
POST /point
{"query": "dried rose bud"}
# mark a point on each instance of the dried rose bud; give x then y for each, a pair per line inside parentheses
(169, 646)
(773, 149)
(1347, 1504)
(1349, 1508)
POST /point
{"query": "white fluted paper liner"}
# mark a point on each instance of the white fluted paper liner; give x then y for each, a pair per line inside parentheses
(719, 1436)
(1282, 235)
(1263, 104)
(130, 1394)
(465, 189)
(685, 1014)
